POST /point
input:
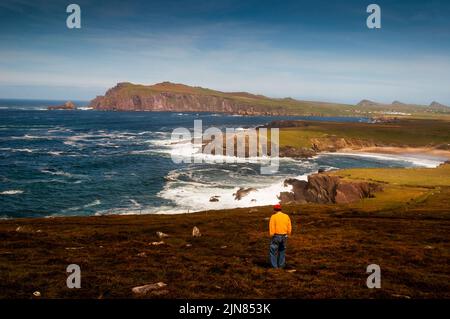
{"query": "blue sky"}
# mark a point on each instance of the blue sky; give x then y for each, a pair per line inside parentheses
(314, 50)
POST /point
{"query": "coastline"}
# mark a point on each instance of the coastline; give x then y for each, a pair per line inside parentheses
(429, 159)
(402, 151)
(402, 226)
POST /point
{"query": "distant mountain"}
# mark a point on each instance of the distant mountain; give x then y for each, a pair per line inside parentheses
(401, 107)
(368, 103)
(438, 106)
(174, 97)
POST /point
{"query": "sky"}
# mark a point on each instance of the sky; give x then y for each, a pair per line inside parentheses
(310, 50)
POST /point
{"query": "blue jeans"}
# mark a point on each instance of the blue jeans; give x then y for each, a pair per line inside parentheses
(277, 251)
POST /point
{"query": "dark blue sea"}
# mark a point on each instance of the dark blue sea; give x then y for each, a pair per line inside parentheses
(60, 163)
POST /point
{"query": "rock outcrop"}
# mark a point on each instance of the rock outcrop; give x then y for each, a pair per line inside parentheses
(327, 189)
(68, 106)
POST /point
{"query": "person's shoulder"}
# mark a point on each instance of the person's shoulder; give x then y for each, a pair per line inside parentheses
(285, 214)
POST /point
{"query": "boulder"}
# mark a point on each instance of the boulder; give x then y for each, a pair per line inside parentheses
(161, 234)
(214, 198)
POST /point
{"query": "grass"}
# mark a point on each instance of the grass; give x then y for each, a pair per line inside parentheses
(420, 177)
(404, 229)
(406, 132)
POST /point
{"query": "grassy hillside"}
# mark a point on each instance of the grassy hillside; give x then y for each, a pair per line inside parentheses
(287, 106)
(420, 177)
(405, 229)
(401, 133)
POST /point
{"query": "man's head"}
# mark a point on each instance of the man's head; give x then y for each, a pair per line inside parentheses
(277, 208)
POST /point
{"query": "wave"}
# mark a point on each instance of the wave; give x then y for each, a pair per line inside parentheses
(55, 153)
(195, 197)
(12, 192)
(76, 208)
(61, 173)
(24, 150)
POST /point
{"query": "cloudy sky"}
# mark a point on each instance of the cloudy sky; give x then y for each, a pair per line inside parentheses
(315, 50)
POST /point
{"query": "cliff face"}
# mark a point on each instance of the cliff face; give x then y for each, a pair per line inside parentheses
(178, 98)
(325, 189)
(173, 97)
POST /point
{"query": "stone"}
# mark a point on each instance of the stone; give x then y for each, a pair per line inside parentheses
(145, 289)
(214, 199)
(161, 234)
(196, 232)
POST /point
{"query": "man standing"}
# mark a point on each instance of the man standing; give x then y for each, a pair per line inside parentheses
(279, 228)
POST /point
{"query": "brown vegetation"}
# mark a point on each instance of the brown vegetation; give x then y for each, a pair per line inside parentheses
(329, 251)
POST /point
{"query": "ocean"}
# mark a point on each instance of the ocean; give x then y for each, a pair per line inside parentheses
(80, 163)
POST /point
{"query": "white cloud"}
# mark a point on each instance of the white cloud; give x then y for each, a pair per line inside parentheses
(245, 63)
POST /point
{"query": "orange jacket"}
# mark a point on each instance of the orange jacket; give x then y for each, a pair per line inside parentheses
(280, 224)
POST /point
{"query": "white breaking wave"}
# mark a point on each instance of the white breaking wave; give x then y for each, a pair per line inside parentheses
(55, 153)
(135, 203)
(76, 208)
(12, 192)
(62, 173)
(194, 196)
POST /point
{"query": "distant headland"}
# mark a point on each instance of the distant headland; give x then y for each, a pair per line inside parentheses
(173, 97)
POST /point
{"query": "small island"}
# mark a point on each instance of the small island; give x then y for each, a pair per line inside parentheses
(68, 106)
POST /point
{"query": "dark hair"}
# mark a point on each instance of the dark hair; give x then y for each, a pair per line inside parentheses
(277, 209)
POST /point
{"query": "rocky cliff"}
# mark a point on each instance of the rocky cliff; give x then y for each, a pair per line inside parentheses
(327, 189)
(172, 97)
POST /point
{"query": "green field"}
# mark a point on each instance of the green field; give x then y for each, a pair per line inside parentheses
(400, 133)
